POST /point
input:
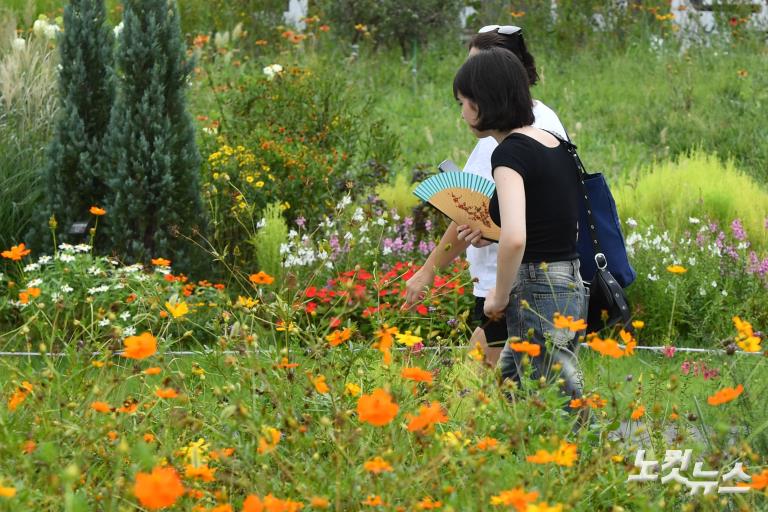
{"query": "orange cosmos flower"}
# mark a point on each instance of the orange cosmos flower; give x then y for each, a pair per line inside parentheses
(677, 269)
(7, 492)
(373, 501)
(19, 395)
(161, 262)
(285, 364)
(319, 502)
(531, 349)
(226, 507)
(202, 472)
(565, 455)
(95, 210)
(270, 504)
(543, 507)
(319, 383)
(606, 347)
(428, 503)
(24, 295)
(269, 442)
(338, 337)
(417, 374)
(378, 409)
(567, 322)
(140, 347)
(638, 412)
(377, 465)
(760, 482)
(428, 416)
(487, 444)
(166, 393)
(516, 497)
(261, 278)
(159, 489)
(148, 438)
(154, 370)
(592, 402)
(101, 407)
(16, 252)
(725, 395)
(29, 446)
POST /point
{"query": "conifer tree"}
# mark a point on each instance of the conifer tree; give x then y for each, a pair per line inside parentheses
(153, 174)
(72, 179)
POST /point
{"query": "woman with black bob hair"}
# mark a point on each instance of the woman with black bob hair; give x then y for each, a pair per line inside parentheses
(536, 204)
(489, 333)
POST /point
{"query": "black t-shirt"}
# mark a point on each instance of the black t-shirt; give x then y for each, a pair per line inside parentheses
(551, 181)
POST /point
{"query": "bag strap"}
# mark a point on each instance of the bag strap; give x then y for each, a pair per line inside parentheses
(600, 260)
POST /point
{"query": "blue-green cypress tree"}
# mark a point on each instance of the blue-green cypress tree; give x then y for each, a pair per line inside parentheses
(72, 179)
(153, 175)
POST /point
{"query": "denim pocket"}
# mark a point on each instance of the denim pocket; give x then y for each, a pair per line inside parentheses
(567, 303)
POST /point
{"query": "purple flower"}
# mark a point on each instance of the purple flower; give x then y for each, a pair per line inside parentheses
(738, 230)
(452, 322)
(301, 221)
(424, 247)
(669, 351)
(417, 347)
(428, 225)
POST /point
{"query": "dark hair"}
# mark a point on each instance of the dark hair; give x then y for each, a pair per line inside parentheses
(512, 42)
(497, 82)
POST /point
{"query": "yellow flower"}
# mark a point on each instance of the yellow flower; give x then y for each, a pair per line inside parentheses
(677, 269)
(177, 310)
(7, 492)
(259, 184)
(352, 389)
(407, 339)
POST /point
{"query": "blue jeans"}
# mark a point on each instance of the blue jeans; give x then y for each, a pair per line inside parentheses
(537, 295)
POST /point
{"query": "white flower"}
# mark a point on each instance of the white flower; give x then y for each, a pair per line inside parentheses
(104, 323)
(653, 277)
(38, 27)
(322, 255)
(19, 44)
(692, 261)
(345, 201)
(51, 30)
(725, 293)
(702, 291)
(67, 289)
(118, 286)
(66, 258)
(631, 222)
(714, 284)
(118, 29)
(694, 220)
(363, 228)
(129, 331)
(34, 283)
(31, 267)
(82, 248)
(66, 247)
(55, 296)
(272, 70)
(94, 270)
(125, 315)
(358, 215)
(42, 260)
(98, 289)
(381, 221)
(348, 236)
(386, 251)
(261, 223)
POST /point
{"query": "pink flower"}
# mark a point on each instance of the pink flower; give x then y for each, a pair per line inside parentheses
(685, 367)
(417, 347)
(669, 351)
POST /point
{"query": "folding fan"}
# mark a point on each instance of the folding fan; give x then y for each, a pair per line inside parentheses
(463, 197)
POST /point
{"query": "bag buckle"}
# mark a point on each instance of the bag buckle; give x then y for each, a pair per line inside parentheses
(600, 261)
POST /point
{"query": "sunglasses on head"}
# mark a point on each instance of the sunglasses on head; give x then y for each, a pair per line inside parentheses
(503, 29)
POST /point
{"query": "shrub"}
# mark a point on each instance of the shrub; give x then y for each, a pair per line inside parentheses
(697, 185)
(393, 22)
(72, 178)
(154, 167)
(268, 240)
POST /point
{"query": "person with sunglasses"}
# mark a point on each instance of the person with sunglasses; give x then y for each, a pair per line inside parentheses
(491, 334)
(536, 203)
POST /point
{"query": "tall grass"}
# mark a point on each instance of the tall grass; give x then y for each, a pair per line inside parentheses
(28, 105)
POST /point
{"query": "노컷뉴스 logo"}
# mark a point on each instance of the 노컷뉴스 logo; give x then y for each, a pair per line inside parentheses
(676, 461)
